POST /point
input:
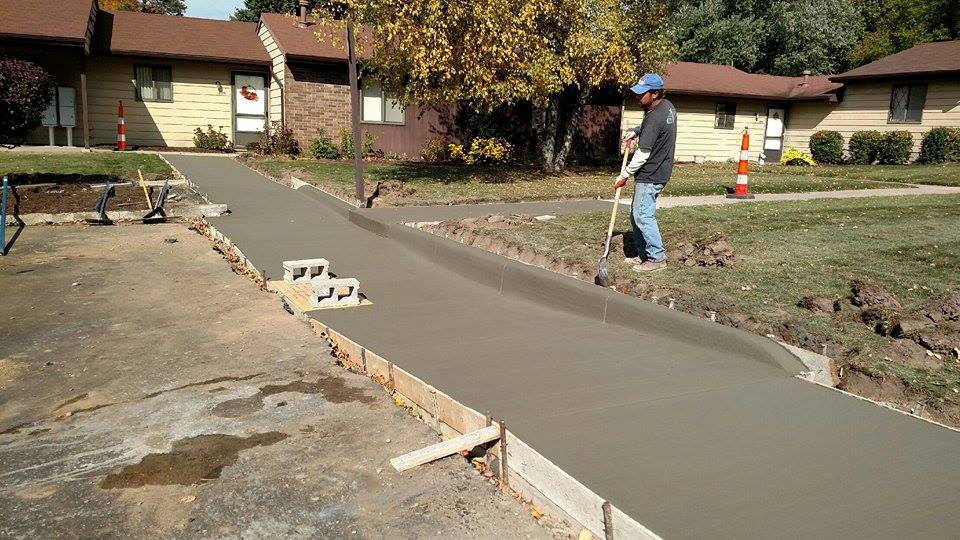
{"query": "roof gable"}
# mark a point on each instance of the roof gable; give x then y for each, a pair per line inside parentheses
(693, 78)
(302, 43)
(126, 33)
(64, 22)
(941, 57)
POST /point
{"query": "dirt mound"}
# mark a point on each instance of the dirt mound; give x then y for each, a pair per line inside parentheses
(819, 304)
(395, 188)
(714, 251)
(943, 308)
(909, 353)
(499, 221)
(867, 295)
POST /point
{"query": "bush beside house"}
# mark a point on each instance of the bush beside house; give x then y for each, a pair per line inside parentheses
(322, 146)
(939, 145)
(827, 147)
(25, 91)
(865, 147)
(210, 139)
(895, 148)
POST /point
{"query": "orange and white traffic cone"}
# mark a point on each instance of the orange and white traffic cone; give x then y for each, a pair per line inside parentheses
(741, 190)
(121, 130)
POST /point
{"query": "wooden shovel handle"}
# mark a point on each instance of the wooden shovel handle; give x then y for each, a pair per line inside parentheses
(616, 196)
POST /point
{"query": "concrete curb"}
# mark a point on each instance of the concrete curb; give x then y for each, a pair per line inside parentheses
(514, 278)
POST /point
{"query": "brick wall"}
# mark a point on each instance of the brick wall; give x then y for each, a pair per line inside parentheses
(316, 95)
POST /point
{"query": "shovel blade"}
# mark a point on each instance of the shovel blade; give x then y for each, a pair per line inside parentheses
(603, 277)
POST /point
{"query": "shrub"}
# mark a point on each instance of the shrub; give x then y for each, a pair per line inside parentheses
(25, 91)
(435, 150)
(827, 147)
(795, 157)
(322, 147)
(865, 147)
(482, 150)
(346, 143)
(895, 149)
(939, 145)
(277, 140)
(210, 139)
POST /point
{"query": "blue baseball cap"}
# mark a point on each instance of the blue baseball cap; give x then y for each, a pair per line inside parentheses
(649, 81)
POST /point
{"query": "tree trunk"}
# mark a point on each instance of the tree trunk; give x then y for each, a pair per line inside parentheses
(570, 128)
(545, 125)
(555, 125)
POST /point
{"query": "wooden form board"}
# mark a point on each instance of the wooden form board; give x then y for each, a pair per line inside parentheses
(531, 475)
(467, 441)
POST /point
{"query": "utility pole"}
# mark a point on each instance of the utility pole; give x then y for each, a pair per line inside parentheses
(355, 112)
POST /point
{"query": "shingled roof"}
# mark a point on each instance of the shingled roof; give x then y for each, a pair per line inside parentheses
(63, 22)
(125, 33)
(301, 43)
(691, 78)
(936, 58)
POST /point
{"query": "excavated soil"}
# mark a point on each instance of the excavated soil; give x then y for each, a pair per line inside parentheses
(65, 198)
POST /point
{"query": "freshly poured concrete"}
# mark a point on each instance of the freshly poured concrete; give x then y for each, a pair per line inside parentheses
(688, 440)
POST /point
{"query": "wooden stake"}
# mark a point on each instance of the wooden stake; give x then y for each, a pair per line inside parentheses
(488, 421)
(504, 472)
(607, 520)
(146, 194)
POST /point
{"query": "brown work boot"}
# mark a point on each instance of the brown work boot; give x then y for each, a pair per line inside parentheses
(651, 266)
(633, 260)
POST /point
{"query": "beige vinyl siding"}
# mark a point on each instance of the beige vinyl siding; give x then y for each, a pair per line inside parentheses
(696, 134)
(197, 102)
(278, 70)
(866, 105)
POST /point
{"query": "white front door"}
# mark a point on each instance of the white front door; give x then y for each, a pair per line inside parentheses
(249, 108)
(773, 134)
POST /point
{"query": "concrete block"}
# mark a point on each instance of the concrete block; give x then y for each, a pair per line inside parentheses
(329, 292)
(305, 270)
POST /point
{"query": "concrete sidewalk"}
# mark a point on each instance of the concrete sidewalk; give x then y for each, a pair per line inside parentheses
(690, 439)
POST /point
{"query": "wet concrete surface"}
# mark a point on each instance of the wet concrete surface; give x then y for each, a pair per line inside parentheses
(116, 351)
(688, 440)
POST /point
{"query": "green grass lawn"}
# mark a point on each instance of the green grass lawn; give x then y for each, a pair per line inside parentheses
(455, 184)
(910, 246)
(946, 174)
(35, 168)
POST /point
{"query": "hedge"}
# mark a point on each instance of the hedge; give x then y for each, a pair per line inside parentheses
(827, 147)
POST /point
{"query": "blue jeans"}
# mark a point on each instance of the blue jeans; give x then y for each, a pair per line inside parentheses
(646, 233)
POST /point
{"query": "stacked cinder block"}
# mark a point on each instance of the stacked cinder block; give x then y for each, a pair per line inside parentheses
(325, 291)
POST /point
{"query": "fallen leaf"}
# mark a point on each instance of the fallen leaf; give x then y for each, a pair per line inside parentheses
(188, 499)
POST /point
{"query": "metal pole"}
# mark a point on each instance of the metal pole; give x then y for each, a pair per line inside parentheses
(355, 113)
(3, 216)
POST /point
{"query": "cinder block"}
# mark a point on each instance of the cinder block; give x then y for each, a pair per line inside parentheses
(331, 292)
(305, 270)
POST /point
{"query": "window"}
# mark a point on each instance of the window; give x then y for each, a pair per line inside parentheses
(154, 83)
(378, 107)
(906, 103)
(726, 115)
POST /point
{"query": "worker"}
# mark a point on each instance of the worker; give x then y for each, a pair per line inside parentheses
(655, 140)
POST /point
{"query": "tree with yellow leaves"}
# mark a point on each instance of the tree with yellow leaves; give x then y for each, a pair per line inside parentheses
(486, 53)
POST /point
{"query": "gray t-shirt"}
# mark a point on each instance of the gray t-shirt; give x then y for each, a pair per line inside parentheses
(657, 134)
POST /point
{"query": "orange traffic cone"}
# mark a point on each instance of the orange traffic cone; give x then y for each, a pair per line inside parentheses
(121, 130)
(741, 190)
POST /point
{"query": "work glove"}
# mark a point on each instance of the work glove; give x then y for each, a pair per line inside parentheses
(621, 181)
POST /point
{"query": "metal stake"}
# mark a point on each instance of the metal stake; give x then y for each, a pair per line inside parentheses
(607, 520)
(3, 216)
(504, 471)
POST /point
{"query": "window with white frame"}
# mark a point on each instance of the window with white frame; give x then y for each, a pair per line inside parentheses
(154, 83)
(379, 107)
(906, 103)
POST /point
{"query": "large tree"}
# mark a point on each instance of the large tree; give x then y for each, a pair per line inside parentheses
(713, 33)
(252, 9)
(165, 7)
(896, 25)
(25, 91)
(486, 53)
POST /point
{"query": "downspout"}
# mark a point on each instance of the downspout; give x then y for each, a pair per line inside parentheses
(84, 103)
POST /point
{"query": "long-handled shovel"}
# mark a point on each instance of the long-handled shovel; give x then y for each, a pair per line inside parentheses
(603, 277)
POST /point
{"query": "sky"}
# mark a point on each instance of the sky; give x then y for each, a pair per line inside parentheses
(212, 9)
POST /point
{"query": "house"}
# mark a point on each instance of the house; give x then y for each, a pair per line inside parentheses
(176, 74)
(914, 90)
(715, 103)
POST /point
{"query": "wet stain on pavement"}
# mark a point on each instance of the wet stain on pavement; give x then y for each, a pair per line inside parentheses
(74, 399)
(203, 383)
(194, 460)
(334, 390)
